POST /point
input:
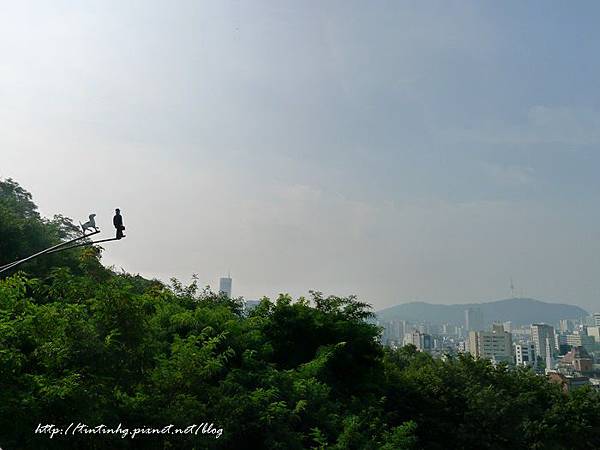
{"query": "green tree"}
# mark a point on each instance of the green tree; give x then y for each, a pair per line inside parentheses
(81, 343)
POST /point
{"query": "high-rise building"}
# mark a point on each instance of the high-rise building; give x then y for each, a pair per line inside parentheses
(225, 285)
(422, 341)
(581, 340)
(495, 344)
(549, 355)
(525, 355)
(393, 332)
(560, 342)
(566, 326)
(595, 333)
(401, 329)
(474, 319)
(596, 317)
(540, 333)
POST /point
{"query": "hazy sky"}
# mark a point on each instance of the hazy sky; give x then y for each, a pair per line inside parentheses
(395, 150)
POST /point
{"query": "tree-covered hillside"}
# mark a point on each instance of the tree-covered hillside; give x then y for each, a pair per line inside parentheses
(82, 344)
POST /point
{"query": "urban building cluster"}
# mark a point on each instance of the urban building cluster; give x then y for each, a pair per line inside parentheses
(567, 352)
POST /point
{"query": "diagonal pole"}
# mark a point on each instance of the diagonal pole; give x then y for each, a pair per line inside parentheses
(43, 252)
(82, 245)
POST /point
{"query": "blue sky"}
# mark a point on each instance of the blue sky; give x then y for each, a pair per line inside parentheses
(395, 150)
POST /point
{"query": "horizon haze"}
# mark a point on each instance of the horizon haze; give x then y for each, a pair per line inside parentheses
(397, 151)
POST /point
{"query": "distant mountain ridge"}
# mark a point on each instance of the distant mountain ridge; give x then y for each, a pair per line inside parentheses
(520, 311)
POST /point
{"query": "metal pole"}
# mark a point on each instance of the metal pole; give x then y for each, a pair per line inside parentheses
(81, 245)
(21, 261)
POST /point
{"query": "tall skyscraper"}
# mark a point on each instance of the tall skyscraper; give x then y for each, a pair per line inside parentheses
(596, 317)
(543, 338)
(225, 285)
(474, 319)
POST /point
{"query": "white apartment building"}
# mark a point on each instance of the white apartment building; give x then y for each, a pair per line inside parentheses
(495, 345)
(525, 355)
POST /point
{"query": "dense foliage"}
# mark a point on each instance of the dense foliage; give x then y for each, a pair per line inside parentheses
(24, 232)
(79, 343)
